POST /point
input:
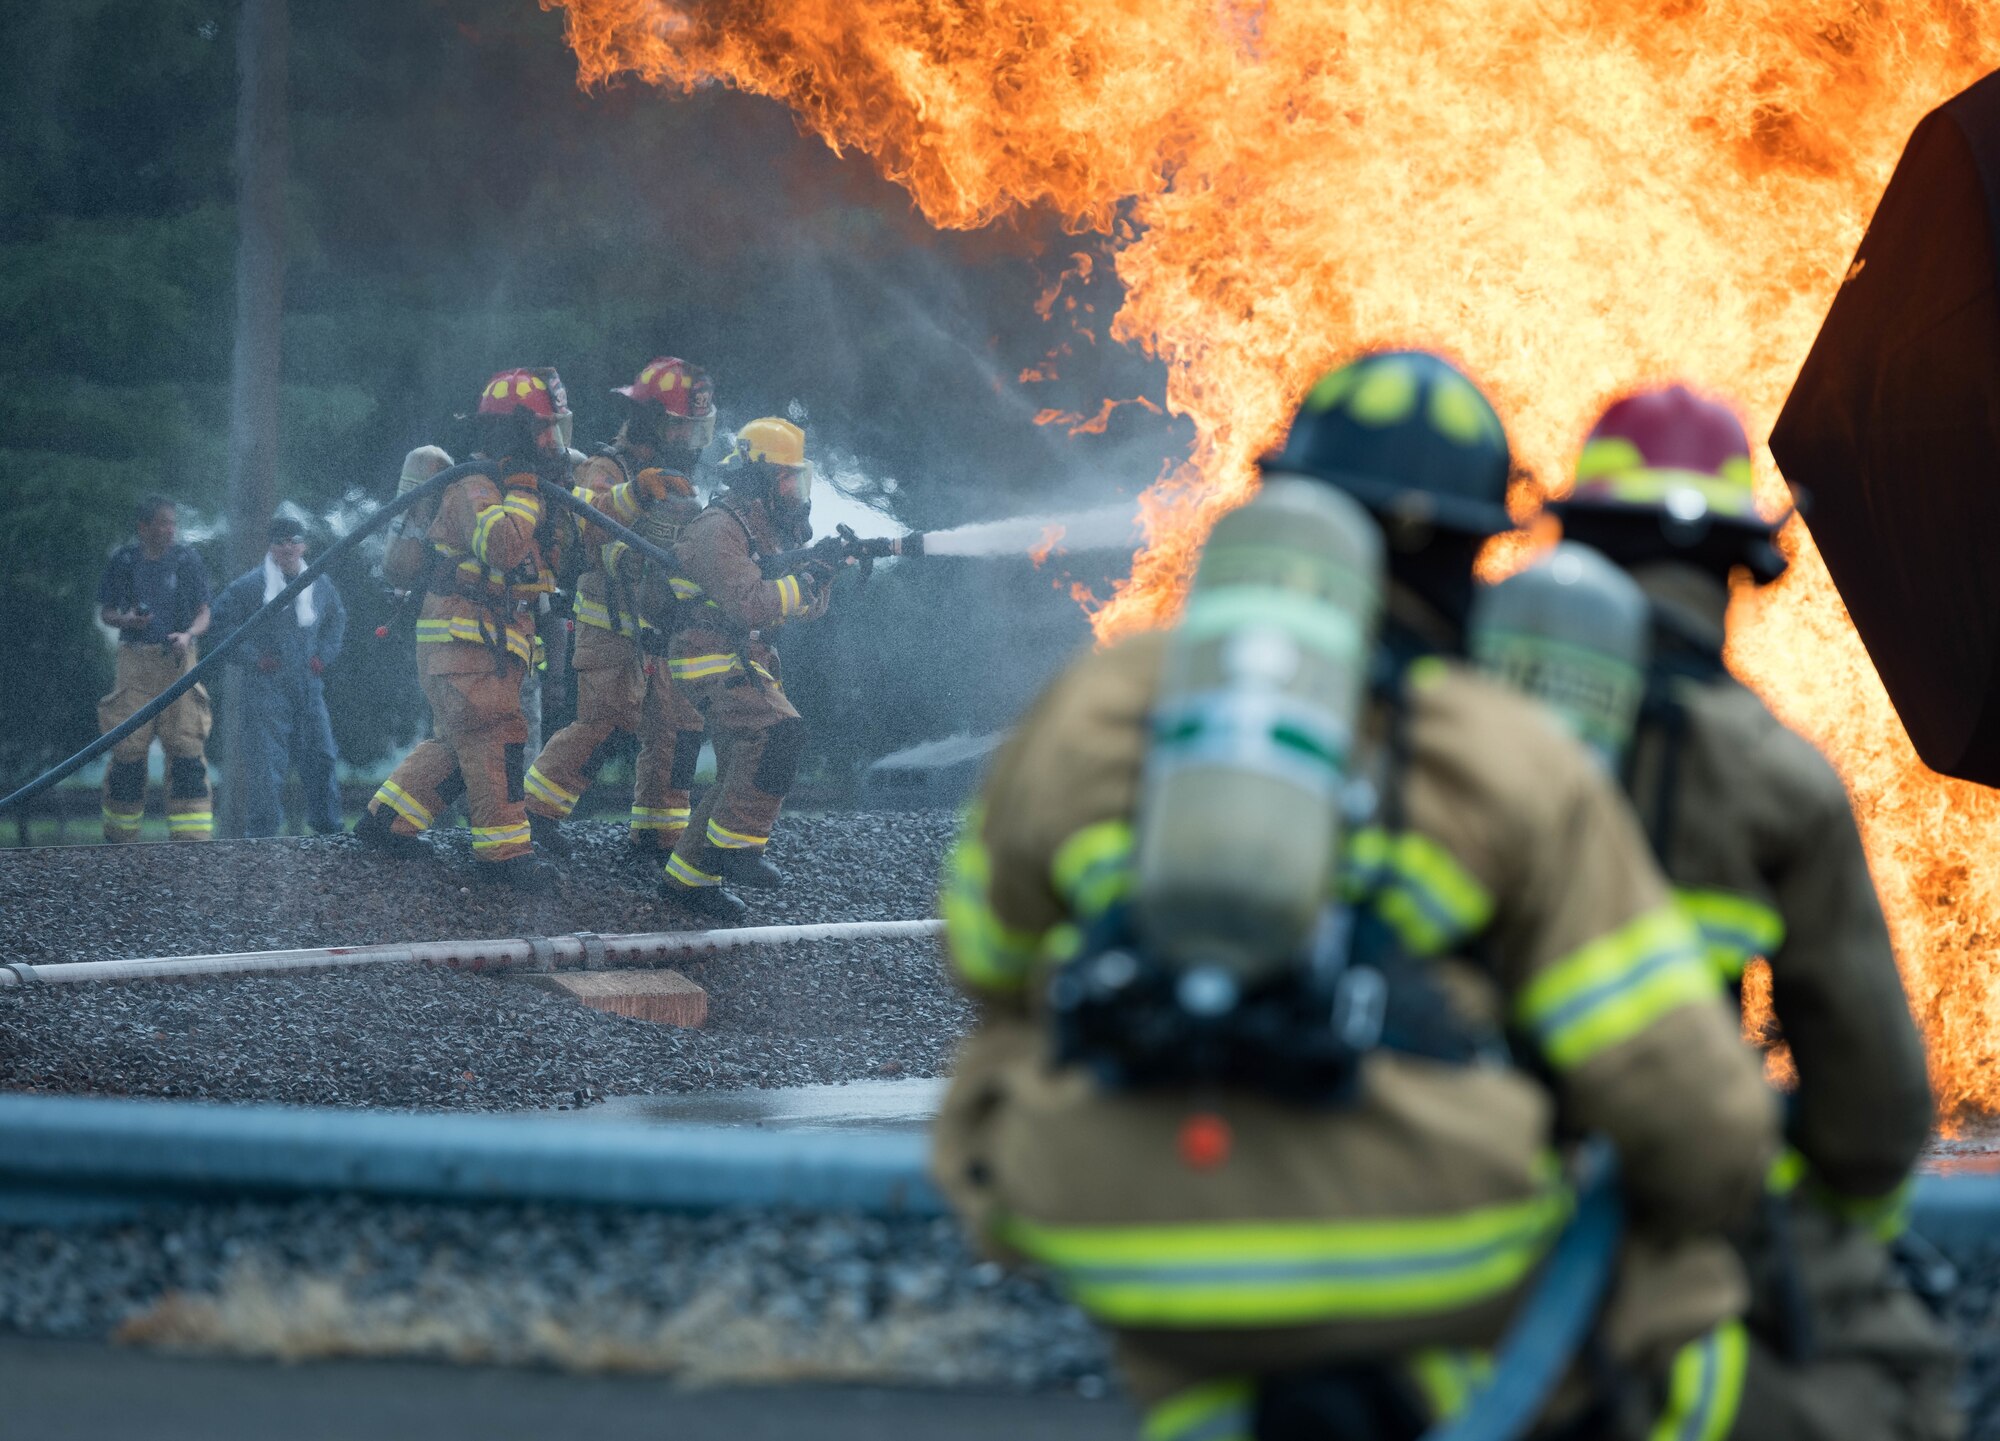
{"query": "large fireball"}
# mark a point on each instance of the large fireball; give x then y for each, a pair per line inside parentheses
(1570, 196)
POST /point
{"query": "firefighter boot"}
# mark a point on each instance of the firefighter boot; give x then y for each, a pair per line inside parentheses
(750, 869)
(529, 874)
(708, 903)
(372, 830)
(548, 835)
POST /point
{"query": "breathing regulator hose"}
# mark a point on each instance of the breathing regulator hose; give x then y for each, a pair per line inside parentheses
(304, 578)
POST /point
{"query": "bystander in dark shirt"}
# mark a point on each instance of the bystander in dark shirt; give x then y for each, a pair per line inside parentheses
(175, 586)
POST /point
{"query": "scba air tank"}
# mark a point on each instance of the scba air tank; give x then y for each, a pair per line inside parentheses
(1240, 810)
(1574, 632)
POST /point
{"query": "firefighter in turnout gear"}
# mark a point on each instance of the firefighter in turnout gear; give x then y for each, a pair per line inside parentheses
(1277, 1258)
(154, 593)
(492, 560)
(720, 660)
(1754, 829)
(643, 479)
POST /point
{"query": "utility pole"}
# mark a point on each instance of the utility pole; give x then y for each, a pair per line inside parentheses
(262, 146)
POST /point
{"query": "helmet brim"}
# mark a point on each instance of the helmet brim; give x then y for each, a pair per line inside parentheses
(1405, 503)
(1570, 505)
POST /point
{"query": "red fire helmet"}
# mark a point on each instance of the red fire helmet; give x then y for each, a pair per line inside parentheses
(1655, 443)
(682, 390)
(514, 390)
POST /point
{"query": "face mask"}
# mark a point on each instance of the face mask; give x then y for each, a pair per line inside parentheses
(794, 488)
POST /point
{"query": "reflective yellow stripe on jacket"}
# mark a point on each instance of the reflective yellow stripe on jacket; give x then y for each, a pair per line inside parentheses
(1277, 1273)
(465, 630)
(1615, 987)
(1705, 1388)
(1217, 1411)
(1092, 870)
(1884, 1217)
(987, 954)
(1417, 887)
(597, 613)
(1735, 930)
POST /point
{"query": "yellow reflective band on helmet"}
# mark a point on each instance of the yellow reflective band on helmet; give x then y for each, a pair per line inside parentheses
(1615, 987)
(1092, 870)
(1735, 930)
(704, 667)
(1729, 494)
(724, 839)
(492, 838)
(1705, 1388)
(1278, 1273)
(679, 870)
(986, 954)
(548, 792)
(1386, 393)
(405, 805)
(1416, 886)
(1447, 1377)
(1457, 411)
(1216, 1411)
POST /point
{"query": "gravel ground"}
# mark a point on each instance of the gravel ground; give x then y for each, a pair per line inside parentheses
(743, 1298)
(421, 1038)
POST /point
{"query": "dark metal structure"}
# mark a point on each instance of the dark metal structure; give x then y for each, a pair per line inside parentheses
(1892, 437)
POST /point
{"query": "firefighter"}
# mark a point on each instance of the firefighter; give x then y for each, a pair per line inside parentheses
(154, 593)
(1254, 1253)
(490, 563)
(719, 659)
(1755, 830)
(643, 479)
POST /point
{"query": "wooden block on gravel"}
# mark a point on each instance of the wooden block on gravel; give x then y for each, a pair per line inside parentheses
(666, 997)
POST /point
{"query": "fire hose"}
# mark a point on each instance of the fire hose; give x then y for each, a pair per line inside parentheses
(145, 714)
(435, 485)
(583, 951)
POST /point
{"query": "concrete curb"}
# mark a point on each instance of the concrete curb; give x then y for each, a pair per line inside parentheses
(69, 1158)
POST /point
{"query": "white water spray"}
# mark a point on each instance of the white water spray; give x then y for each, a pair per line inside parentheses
(1109, 527)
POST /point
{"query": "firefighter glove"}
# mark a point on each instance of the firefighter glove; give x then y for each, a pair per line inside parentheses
(654, 484)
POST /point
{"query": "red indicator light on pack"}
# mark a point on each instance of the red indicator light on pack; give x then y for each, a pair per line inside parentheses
(1204, 1141)
(381, 632)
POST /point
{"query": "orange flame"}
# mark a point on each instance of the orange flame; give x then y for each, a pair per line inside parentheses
(1573, 197)
(1042, 549)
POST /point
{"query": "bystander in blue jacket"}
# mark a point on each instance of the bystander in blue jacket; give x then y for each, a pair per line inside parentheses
(285, 723)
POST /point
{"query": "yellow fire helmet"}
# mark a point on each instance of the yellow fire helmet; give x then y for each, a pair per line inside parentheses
(772, 441)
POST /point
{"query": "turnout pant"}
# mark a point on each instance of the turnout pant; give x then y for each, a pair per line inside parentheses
(477, 749)
(608, 690)
(285, 726)
(619, 691)
(143, 671)
(759, 740)
(670, 733)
